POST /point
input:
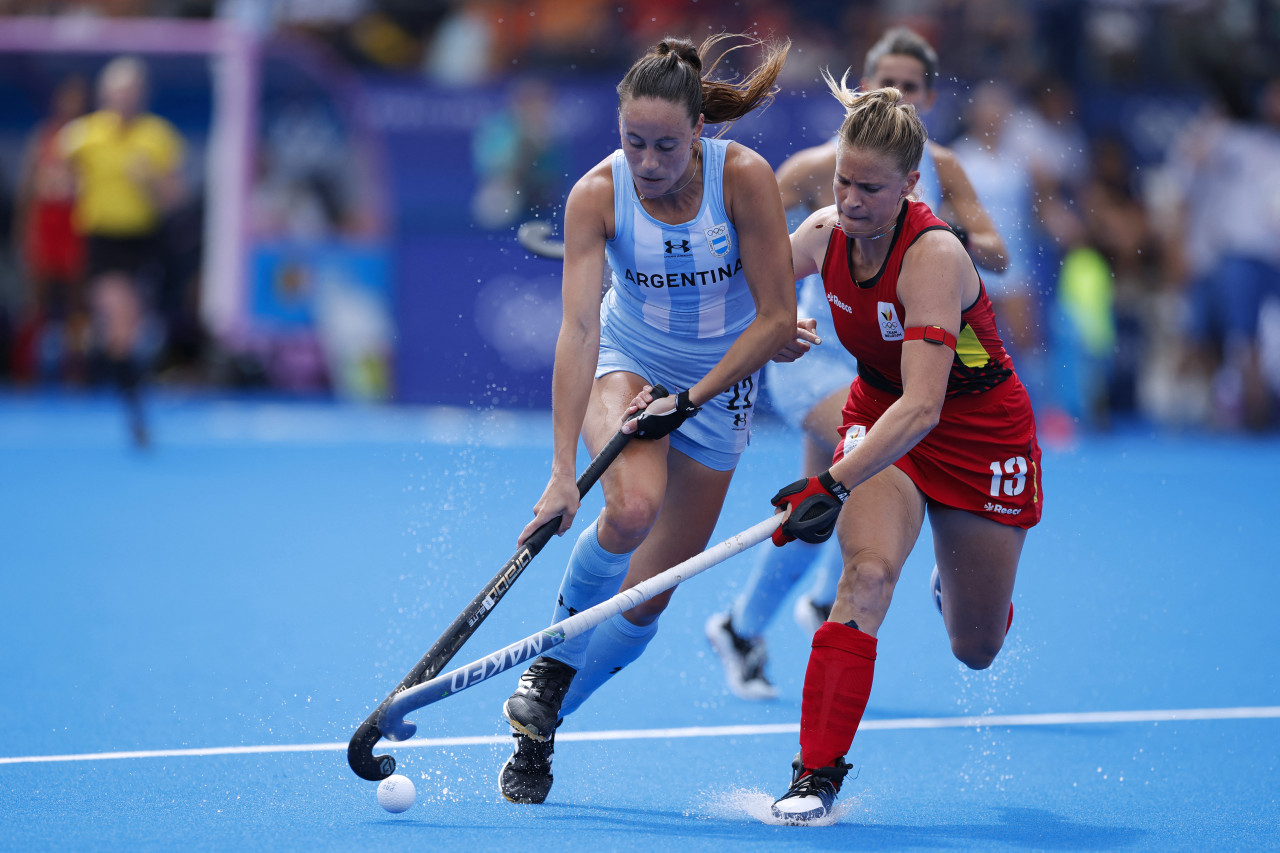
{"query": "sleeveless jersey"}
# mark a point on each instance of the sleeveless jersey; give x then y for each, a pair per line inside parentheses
(685, 280)
(870, 320)
(929, 187)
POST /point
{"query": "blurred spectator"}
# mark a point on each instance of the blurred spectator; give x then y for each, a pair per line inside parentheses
(1056, 149)
(1002, 176)
(293, 202)
(127, 164)
(1226, 254)
(52, 335)
(1071, 279)
(1119, 227)
(462, 48)
(519, 157)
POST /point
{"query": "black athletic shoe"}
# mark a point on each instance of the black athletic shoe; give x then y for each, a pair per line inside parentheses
(526, 777)
(534, 709)
(744, 659)
(810, 614)
(812, 793)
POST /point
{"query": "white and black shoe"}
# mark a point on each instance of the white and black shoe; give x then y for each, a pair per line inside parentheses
(743, 658)
(809, 614)
(526, 777)
(812, 794)
(534, 709)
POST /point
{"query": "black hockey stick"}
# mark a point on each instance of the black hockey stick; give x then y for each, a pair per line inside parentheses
(535, 236)
(360, 750)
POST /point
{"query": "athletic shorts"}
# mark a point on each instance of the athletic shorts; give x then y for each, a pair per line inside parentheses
(718, 434)
(795, 387)
(130, 255)
(982, 457)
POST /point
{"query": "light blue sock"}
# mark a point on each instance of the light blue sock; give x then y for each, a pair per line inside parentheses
(614, 644)
(823, 591)
(593, 574)
(775, 573)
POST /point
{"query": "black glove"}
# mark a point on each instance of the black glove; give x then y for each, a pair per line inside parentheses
(815, 504)
(656, 426)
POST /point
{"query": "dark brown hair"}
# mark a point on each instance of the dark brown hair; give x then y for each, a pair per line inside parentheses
(674, 71)
(902, 41)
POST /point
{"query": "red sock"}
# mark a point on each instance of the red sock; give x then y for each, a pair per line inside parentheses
(837, 685)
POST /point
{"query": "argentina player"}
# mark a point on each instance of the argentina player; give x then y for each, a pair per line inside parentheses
(701, 297)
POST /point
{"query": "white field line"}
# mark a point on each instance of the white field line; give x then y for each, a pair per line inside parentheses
(980, 722)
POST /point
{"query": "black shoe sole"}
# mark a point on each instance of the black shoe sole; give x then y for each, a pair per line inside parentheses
(531, 733)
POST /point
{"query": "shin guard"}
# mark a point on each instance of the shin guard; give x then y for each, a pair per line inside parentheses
(837, 685)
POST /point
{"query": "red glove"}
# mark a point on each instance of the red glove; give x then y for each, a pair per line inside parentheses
(815, 505)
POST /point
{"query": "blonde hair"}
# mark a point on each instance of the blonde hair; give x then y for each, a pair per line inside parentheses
(674, 71)
(880, 121)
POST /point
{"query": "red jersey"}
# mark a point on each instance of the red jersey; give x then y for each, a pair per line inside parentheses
(869, 319)
(982, 456)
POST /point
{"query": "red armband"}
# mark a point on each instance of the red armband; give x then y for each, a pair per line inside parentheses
(932, 334)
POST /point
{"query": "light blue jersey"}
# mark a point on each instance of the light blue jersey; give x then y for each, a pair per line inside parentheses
(929, 187)
(678, 301)
(683, 279)
(1004, 183)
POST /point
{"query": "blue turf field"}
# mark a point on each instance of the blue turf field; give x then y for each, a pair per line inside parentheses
(189, 636)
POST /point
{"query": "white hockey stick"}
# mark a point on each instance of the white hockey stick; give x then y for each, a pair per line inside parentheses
(535, 235)
(393, 724)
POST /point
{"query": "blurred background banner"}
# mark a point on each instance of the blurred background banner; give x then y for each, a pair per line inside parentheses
(477, 315)
(357, 172)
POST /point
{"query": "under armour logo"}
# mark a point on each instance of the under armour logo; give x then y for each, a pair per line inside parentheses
(739, 419)
(573, 611)
(671, 247)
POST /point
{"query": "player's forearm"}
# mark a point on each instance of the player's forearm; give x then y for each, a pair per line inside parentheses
(899, 429)
(988, 250)
(758, 343)
(571, 381)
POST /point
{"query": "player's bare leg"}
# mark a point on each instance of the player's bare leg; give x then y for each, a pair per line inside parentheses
(977, 561)
(877, 529)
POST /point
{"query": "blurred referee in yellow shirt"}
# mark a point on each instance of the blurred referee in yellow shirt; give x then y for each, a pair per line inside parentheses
(128, 165)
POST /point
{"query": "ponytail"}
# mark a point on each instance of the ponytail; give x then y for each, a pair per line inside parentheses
(674, 71)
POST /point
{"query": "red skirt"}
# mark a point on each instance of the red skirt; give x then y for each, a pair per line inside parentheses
(982, 457)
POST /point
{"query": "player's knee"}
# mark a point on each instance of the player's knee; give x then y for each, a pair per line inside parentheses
(631, 515)
(976, 651)
(647, 612)
(867, 582)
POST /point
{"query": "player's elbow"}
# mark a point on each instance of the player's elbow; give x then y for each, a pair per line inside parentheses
(998, 258)
(780, 337)
(777, 327)
(922, 415)
(579, 331)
